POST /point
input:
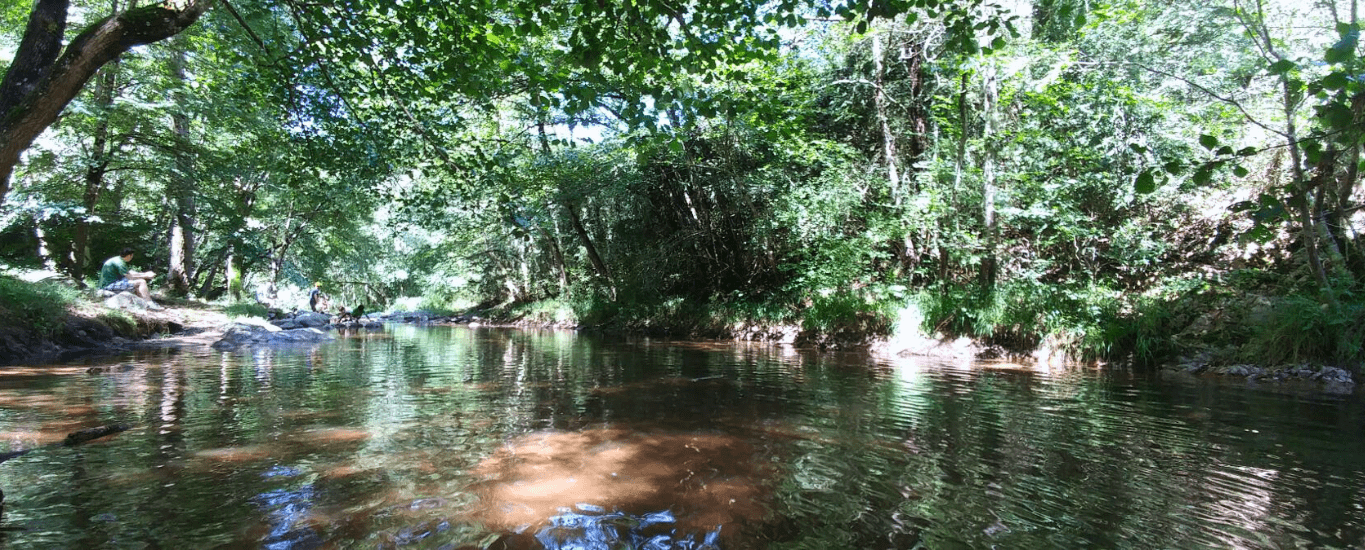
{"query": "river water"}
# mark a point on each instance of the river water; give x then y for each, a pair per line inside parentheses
(457, 437)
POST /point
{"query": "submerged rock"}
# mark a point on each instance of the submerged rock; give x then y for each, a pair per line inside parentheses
(88, 434)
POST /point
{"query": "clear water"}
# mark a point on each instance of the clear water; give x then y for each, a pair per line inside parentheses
(451, 437)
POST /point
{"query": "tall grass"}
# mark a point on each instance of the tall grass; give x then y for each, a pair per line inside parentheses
(40, 306)
(1297, 328)
(246, 309)
(1089, 323)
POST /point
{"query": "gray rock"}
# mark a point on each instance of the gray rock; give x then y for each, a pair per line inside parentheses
(1336, 375)
(311, 319)
(130, 302)
(252, 334)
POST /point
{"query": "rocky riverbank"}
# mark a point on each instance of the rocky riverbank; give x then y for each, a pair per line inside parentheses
(109, 326)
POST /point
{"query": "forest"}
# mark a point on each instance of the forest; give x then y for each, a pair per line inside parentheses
(1116, 180)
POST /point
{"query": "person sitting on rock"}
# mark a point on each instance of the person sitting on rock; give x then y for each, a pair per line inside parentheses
(116, 276)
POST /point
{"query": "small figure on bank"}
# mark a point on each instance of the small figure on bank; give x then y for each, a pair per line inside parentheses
(116, 276)
(344, 315)
(317, 301)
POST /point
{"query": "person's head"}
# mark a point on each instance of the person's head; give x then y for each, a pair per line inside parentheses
(317, 285)
(126, 253)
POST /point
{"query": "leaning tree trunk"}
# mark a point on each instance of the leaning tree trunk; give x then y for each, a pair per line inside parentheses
(40, 83)
(596, 259)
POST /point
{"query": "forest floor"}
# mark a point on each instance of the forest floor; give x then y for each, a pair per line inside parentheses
(90, 329)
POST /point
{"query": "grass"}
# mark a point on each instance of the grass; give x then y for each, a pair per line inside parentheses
(1296, 328)
(1090, 323)
(40, 306)
(246, 309)
(119, 320)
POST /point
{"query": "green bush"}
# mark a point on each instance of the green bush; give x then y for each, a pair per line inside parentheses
(41, 306)
(119, 320)
(1297, 328)
(1087, 323)
(246, 309)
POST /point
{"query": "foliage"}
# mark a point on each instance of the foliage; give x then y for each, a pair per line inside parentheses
(42, 306)
(721, 165)
(246, 309)
(1296, 329)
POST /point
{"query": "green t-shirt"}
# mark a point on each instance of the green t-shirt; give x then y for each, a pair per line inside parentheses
(114, 269)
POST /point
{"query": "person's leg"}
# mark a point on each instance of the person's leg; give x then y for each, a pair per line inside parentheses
(141, 286)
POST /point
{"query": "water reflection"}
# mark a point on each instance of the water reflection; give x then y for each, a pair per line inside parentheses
(710, 479)
(488, 438)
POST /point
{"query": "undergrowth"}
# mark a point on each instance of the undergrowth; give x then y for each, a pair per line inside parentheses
(40, 306)
(1295, 329)
(246, 309)
(1089, 323)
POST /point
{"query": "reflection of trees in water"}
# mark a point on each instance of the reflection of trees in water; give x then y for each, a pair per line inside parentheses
(287, 511)
(596, 530)
(709, 480)
(421, 439)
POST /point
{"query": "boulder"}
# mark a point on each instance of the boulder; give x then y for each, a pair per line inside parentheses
(312, 319)
(1335, 375)
(130, 302)
(240, 334)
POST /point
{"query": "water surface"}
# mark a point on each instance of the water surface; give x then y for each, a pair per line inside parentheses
(452, 437)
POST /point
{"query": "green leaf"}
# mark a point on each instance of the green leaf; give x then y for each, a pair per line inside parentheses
(1145, 182)
(1240, 171)
(1208, 141)
(1174, 167)
(1203, 174)
(1336, 115)
(1281, 67)
(1260, 234)
(1344, 50)
(1335, 81)
(1137, 148)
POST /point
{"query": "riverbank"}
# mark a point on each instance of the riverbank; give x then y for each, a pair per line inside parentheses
(88, 327)
(1190, 352)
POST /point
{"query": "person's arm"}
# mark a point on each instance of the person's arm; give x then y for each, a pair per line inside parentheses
(139, 275)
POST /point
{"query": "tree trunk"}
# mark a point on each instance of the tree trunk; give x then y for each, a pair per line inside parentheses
(884, 120)
(557, 256)
(597, 263)
(39, 84)
(100, 157)
(988, 184)
(181, 187)
(44, 247)
(913, 54)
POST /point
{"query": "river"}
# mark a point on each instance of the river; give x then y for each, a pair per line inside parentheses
(458, 437)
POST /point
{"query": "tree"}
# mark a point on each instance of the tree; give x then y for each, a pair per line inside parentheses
(44, 77)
